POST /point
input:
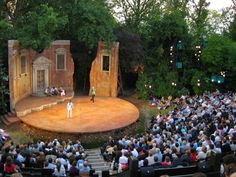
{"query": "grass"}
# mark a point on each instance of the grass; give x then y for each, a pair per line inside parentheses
(19, 137)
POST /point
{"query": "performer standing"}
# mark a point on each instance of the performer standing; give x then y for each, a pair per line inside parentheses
(69, 109)
(93, 91)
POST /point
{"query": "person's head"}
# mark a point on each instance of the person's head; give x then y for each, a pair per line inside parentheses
(50, 160)
(74, 163)
(167, 159)
(85, 163)
(8, 160)
(229, 162)
(145, 162)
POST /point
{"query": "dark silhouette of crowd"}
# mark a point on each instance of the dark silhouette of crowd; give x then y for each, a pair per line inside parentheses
(194, 130)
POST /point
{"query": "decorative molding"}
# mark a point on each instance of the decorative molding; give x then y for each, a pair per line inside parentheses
(60, 50)
(42, 60)
(61, 42)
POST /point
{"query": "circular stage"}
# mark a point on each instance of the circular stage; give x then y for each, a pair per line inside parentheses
(105, 114)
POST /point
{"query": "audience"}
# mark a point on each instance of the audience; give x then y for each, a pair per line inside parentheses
(60, 157)
(194, 129)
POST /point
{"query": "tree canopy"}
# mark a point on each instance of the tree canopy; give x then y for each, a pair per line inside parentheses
(175, 46)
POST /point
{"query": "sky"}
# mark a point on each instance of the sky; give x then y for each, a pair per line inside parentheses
(219, 4)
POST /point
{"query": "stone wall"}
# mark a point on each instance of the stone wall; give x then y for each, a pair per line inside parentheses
(25, 83)
(105, 81)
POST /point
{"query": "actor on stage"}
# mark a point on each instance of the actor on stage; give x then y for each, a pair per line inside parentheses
(93, 94)
(69, 109)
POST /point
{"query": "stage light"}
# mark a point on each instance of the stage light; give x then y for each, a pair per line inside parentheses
(171, 61)
(218, 81)
(150, 86)
(198, 84)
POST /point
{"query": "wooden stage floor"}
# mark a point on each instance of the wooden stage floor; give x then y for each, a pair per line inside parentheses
(105, 114)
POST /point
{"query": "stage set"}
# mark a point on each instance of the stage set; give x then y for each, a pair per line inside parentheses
(30, 73)
(49, 113)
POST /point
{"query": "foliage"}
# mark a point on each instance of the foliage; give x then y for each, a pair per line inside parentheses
(36, 28)
(220, 56)
(199, 82)
(90, 21)
(142, 86)
(3, 89)
(6, 32)
(145, 29)
(198, 17)
(232, 29)
(132, 13)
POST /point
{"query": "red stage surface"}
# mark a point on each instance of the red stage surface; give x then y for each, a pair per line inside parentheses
(105, 114)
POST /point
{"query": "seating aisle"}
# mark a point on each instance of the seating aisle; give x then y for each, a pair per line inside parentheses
(96, 160)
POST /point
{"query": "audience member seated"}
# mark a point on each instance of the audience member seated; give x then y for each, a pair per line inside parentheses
(84, 171)
(229, 163)
(123, 161)
(9, 167)
(73, 171)
(59, 170)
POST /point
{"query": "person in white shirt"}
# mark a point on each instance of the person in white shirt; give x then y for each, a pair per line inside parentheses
(123, 161)
(69, 109)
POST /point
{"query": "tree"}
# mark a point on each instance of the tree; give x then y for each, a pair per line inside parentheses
(219, 56)
(3, 89)
(232, 29)
(198, 17)
(132, 13)
(36, 28)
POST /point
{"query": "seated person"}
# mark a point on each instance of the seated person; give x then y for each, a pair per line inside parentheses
(54, 91)
(61, 91)
(84, 171)
(9, 166)
(48, 91)
(123, 161)
(73, 171)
